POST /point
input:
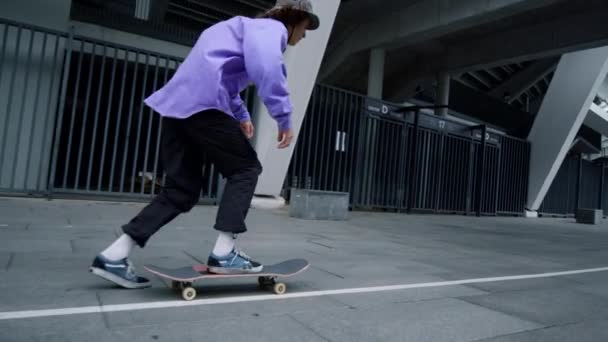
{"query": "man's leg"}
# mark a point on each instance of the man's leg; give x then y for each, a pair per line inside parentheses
(220, 137)
(183, 167)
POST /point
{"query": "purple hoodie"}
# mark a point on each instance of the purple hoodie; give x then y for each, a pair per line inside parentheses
(222, 63)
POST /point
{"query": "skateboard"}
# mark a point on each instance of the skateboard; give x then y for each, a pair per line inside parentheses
(183, 279)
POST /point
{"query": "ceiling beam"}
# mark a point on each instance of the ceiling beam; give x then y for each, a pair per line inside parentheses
(551, 38)
(419, 21)
(523, 80)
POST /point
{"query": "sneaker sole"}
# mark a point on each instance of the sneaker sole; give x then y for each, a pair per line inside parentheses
(224, 270)
(118, 280)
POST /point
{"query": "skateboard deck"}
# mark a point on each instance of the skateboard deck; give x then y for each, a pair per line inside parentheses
(184, 277)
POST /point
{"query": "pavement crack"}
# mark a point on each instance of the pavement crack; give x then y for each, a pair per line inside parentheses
(73, 246)
(503, 312)
(328, 272)
(525, 331)
(320, 244)
(104, 316)
(193, 257)
(9, 263)
(308, 327)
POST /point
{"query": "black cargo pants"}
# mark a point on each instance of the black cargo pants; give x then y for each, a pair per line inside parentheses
(184, 145)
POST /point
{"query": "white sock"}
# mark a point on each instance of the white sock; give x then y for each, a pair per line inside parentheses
(224, 244)
(120, 249)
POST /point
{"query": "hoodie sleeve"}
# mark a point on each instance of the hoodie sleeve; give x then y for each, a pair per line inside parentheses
(263, 46)
(239, 109)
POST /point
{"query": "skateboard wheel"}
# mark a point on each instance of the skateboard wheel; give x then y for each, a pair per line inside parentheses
(189, 293)
(279, 288)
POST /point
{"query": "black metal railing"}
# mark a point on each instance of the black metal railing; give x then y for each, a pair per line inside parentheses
(401, 159)
(579, 183)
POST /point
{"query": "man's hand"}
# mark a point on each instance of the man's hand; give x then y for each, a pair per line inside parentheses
(285, 138)
(247, 128)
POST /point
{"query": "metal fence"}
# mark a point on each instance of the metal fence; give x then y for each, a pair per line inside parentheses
(391, 157)
(324, 157)
(31, 65)
(75, 121)
(579, 183)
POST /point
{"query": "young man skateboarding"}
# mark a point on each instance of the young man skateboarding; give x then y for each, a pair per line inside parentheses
(203, 114)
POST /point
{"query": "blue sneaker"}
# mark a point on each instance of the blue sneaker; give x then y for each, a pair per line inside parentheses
(119, 272)
(233, 263)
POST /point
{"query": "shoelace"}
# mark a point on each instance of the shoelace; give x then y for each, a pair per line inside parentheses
(238, 253)
(130, 270)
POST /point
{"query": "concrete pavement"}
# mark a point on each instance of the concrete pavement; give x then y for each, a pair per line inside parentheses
(46, 248)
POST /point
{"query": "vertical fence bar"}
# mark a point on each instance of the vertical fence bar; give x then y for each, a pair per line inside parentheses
(96, 120)
(601, 189)
(380, 164)
(150, 117)
(48, 114)
(579, 177)
(4, 43)
(57, 138)
(328, 134)
(34, 110)
(74, 104)
(108, 116)
(358, 165)
(335, 129)
(86, 115)
(9, 98)
(354, 145)
(413, 162)
(481, 171)
(119, 121)
(139, 121)
(310, 158)
(319, 142)
(361, 156)
(159, 132)
(497, 180)
(342, 172)
(128, 137)
(439, 172)
(347, 146)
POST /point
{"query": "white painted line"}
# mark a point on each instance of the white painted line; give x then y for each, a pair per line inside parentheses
(241, 299)
(3, 225)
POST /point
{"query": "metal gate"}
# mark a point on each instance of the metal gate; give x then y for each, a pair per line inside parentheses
(75, 122)
(390, 157)
(31, 64)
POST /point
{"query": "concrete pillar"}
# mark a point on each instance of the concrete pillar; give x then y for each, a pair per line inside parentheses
(375, 79)
(302, 63)
(443, 93)
(564, 108)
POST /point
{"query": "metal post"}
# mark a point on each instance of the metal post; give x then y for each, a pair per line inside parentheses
(480, 171)
(601, 192)
(66, 73)
(578, 183)
(413, 164)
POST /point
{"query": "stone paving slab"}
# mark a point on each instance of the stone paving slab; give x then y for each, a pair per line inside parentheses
(47, 246)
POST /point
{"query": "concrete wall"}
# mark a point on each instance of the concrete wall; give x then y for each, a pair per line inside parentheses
(53, 14)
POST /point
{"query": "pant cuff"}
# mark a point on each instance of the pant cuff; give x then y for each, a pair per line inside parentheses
(238, 229)
(141, 242)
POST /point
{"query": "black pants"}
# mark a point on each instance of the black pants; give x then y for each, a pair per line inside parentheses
(184, 146)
